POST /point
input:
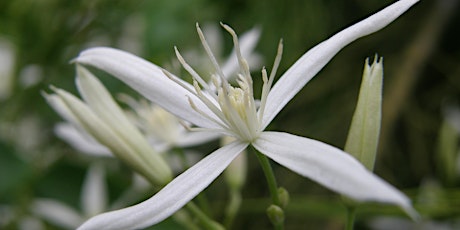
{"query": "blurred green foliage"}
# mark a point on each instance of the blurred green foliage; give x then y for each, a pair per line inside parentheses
(422, 76)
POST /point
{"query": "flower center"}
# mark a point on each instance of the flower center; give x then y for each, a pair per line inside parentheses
(236, 98)
(154, 121)
(235, 107)
(239, 110)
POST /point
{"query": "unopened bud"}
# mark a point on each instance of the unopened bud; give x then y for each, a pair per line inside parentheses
(363, 136)
(275, 214)
(283, 196)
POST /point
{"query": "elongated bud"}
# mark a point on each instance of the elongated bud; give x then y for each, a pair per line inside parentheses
(101, 117)
(363, 136)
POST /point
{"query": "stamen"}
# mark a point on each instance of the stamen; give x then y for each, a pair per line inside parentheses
(253, 122)
(233, 117)
(201, 96)
(209, 103)
(265, 90)
(194, 107)
(243, 63)
(211, 55)
(276, 63)
(178, 81)
(200, 129)
(216, 82)
(130, 101)
(191, 71)
(269, 81)
(185, 125)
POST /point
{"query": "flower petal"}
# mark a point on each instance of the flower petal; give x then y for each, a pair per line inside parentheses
(172, 197)
(190, 139)
(316, 58)
(149, 80)
(98, 98)
(94, 191)
(80, 140)
(105, 135)
(104, 106)
(59, 106)
(57, 213)
(331, 167)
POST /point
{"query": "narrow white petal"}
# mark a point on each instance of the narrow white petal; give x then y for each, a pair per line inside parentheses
(172, 197)
(94, 191)
(61, 108)
(57, 213)
(149, 166)
(329, 166)
(195, 138)
(98, 98)
(149, 80)
(316, 58)
(80, 140)
(104, 106)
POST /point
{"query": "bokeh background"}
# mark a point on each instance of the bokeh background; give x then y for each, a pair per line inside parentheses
(421, 54)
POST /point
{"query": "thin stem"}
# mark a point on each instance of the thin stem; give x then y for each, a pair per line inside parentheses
(207, 222)
(183, 159)
(278, 224)
(269, 176)
(183, 218)
(351, 214)
(232, 208)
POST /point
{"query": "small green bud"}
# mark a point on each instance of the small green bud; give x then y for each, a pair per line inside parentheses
(275, 214)
(283, 195)
(363, 136)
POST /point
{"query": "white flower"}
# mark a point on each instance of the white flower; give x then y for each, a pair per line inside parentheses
(162, 129)
(232, 111)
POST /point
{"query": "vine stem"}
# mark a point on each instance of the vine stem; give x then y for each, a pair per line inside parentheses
(207, 222)
(351, 213)
(272, 185)
(269, 176)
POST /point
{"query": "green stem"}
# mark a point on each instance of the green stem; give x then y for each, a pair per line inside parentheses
(270, 176)
(232, 208)
(183, 218)
(207, 222)
(278, 224)
(183, 159)
(351, 213)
